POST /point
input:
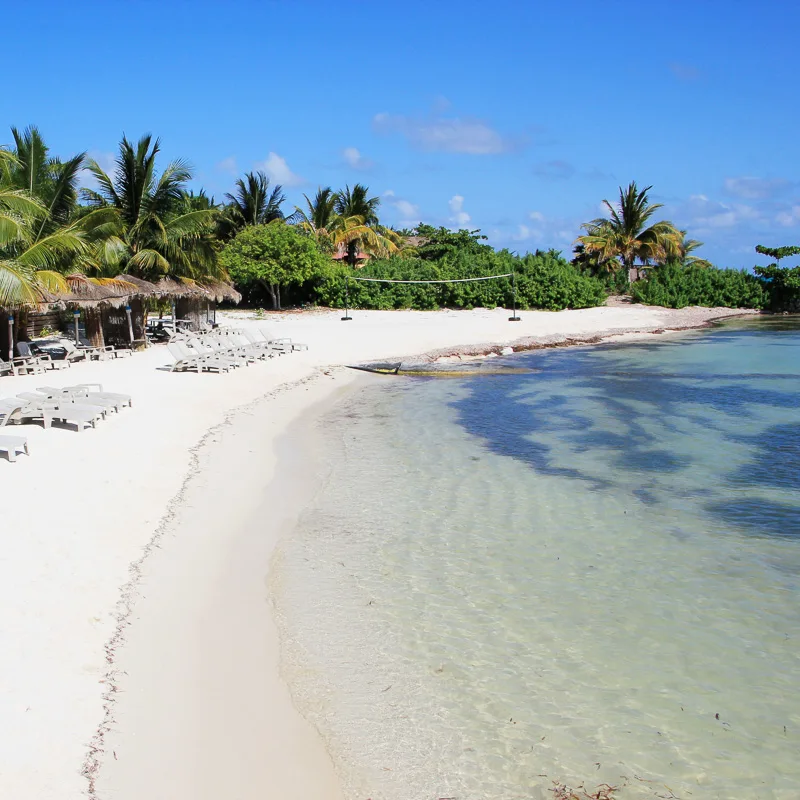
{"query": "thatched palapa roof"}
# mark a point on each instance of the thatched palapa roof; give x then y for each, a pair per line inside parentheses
(217, 291)
(213, 291)
(142, 288)
(93, 292)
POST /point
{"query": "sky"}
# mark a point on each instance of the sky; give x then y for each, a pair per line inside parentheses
(517, 118)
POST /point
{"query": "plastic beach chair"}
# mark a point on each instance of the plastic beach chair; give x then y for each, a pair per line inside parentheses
(74, 395)
(286, 342)
(11, 445)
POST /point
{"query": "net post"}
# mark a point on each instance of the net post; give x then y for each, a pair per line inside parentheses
(346, 317)
(514, 317)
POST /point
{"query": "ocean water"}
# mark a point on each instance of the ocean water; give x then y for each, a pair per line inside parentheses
(585, 575)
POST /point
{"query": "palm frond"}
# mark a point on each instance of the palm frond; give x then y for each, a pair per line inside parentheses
(17, 285)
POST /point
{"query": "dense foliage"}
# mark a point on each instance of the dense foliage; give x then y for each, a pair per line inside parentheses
(783, 286)
(674, 285)
(272, 257)
(142, 220)
(543, 280)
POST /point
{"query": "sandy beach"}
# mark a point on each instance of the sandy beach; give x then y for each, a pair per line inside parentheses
(139, 655)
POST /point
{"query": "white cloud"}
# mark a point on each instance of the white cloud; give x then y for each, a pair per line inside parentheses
(445, 134)
(536, 216)
(790, 218)
(277, 170)
(523, 233)
(353, 158)
(752, 188)
(457, 213)
(407, 212)
(700, 213)
(228, 165)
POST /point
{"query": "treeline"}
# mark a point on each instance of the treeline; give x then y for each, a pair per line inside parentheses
(141, 222)
(674, 285)
(283, 259)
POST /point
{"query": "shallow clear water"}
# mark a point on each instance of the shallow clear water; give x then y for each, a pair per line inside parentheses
(588, 574)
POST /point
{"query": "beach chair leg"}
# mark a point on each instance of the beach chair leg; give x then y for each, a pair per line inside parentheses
(12, 453)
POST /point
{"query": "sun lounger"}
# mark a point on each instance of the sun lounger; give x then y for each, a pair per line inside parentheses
(11, 445)
(260, 345)
(43, 360)
(5, 368)
(103, 353)
(73, 353)
(12, 409)
(285, 342)
(75, 395)
(39, 405)
(221, 350)
(26, 363)
(97, 388)
(80, 415)
(184, 360)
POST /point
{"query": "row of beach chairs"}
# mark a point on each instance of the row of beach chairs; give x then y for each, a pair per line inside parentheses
(82, 405)
(28, 363)
(225, 349)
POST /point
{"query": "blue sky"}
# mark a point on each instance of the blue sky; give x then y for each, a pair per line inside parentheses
(514, 117)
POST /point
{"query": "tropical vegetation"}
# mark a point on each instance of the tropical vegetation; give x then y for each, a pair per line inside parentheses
(145, 219)
(629, 235)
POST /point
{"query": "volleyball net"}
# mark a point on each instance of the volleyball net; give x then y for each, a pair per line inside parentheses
(348, 278)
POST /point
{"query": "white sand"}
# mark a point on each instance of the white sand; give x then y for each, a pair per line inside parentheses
(79, 516)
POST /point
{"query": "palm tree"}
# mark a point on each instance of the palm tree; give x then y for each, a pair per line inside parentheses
(153, 232)
(52, 182)
(31, 251)
(358, 227)
(627, 236)
(680, 249)
(197, 202)
(320, 217)
(252, 204)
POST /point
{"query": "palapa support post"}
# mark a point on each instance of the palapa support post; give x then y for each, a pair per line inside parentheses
(10, 337)
(130, 324)
(346, 317)
(174, 320)
(514, 317)
(76, 316)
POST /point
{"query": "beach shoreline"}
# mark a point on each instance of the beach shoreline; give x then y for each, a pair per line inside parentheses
(231, 729)
(61, 576)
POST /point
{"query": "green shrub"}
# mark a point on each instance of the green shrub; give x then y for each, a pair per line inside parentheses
(782, 284)
(543, 279)
(677, 286)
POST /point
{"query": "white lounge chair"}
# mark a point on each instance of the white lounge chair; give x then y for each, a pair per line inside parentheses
(285, 342)
(264, 348)
(6, 368)
(184, 360)
(12, 409)
(73, 353)
(44, 359)
(97, 388)
(11, 445)
(220, 350)
(80, 396)
(50, 409)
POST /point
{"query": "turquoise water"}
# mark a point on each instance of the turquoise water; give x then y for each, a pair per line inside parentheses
(588, 574)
